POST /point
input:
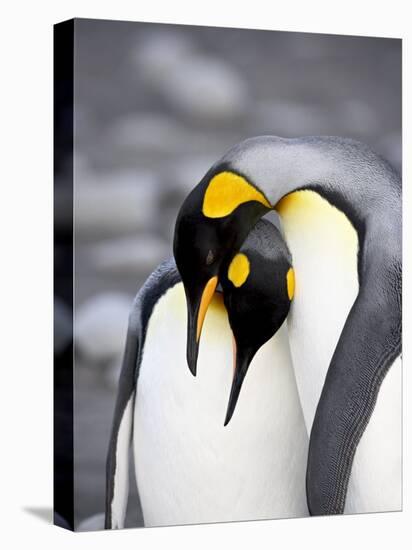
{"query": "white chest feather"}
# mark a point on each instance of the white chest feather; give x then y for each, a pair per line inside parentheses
(324, 247)
(189, 467)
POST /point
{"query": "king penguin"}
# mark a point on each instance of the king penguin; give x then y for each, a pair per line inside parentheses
(340, 208)
(196, 460)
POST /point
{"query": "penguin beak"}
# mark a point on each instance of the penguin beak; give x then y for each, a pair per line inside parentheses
(242, 358)
(196, 317)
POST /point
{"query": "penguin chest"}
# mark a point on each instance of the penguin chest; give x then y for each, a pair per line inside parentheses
(189, 467)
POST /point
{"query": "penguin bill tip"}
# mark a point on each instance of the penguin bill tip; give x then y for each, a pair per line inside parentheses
(191, 356)
(228, 417)
(192, 367)
(234, 395)
(239, 376)
(192, 364)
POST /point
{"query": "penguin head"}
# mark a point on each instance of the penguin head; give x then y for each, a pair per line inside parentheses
(213, 222)
(258, 288)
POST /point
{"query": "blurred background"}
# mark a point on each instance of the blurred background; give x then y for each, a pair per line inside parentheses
(155, 106)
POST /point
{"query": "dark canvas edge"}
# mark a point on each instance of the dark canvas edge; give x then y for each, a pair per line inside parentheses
(63, 455)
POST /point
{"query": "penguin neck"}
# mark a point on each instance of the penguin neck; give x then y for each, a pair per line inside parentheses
(326, 286)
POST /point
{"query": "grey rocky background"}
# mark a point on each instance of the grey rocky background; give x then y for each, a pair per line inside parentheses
(155, 106)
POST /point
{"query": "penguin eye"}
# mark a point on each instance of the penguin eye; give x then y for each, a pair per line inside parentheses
(210, 258)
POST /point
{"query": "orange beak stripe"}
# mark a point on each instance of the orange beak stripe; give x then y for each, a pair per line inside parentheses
(207, 296)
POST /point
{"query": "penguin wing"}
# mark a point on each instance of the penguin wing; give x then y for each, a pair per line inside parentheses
(117, 465)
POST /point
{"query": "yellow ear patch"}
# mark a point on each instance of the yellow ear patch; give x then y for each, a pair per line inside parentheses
(239, 270)
(290, 282)
(226, 191)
